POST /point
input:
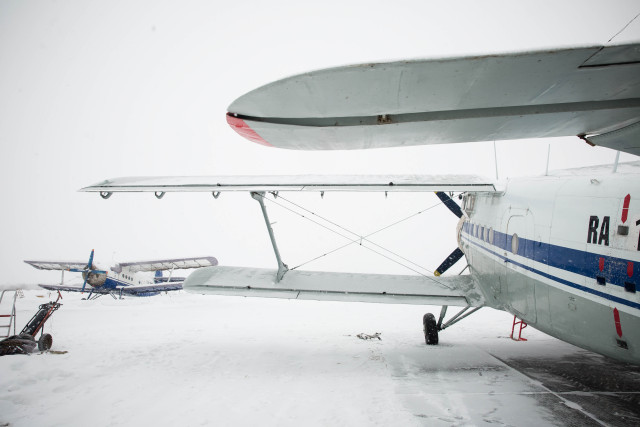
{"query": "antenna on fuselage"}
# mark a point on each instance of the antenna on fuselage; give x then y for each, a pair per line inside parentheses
(615, 164)
(548, 155)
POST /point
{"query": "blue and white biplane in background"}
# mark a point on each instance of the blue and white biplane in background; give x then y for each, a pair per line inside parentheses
(124, 277)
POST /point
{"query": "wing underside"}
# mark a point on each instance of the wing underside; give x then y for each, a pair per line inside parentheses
(335, 286)
(166, 264)
(57, 265)
(319, 183)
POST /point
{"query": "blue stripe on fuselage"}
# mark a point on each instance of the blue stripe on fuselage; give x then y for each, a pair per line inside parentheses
(572, 260)
(528, 249)
(112, 283)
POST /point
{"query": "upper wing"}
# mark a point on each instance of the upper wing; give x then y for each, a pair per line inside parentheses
(333, 286)
(575, 91)
(166, 264)
(57, 265)
(297, 183)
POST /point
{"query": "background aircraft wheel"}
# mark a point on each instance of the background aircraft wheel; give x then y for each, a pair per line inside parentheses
(45, 342)
(430, 329)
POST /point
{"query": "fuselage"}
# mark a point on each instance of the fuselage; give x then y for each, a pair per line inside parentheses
(117, 280)
(562, 252)
(114, 280)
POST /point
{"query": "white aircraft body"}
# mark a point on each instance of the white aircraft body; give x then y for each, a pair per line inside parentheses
(561, 252)
(124, 278)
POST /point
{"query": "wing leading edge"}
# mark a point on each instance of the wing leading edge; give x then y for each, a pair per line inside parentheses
(334, 286)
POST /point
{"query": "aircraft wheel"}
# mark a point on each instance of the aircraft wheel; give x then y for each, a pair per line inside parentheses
(430, 329)
(45, 342)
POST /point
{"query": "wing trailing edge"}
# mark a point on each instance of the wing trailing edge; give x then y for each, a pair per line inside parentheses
(335, 286)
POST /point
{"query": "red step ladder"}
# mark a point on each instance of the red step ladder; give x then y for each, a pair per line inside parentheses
(522, 325)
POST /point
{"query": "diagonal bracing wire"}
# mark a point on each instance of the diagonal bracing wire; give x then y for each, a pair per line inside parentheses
(351, 241)
(359, 238)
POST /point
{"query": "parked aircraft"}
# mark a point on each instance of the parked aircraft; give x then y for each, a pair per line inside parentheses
(124, 278)
(562, 251)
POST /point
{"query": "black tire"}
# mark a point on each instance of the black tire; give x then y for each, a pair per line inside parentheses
(45, 342)
(17, 344)
(430, 329)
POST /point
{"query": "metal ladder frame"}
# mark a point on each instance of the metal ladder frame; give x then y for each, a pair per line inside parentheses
(12, 316)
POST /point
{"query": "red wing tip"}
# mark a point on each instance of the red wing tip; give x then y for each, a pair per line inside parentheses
(243, 129)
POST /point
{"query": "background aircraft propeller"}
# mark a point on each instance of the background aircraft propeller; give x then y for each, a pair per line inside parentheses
(89, 269)
(457, 253)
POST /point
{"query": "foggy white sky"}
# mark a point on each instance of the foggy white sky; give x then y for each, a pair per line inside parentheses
(92, 90)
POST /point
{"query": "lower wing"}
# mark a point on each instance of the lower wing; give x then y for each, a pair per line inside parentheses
(334, 286)
(129, 290)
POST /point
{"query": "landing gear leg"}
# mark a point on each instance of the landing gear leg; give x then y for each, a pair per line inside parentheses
(430, 329)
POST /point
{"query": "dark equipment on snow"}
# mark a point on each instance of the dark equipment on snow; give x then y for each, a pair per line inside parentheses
(364, 336)
(25, 342)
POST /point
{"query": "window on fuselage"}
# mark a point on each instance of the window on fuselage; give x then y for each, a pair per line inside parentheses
(514, 243)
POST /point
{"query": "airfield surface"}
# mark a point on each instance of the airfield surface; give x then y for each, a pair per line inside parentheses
(183, 359)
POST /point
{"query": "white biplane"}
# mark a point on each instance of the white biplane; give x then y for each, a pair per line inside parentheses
(124, 277)
(561, 252)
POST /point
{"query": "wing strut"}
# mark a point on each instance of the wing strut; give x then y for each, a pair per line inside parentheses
(455, 319)
(282, 267)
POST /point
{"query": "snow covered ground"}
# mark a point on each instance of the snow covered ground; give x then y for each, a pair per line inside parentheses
(184, 359)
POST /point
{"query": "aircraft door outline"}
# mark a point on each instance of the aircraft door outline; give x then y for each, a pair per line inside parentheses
(520, 286)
